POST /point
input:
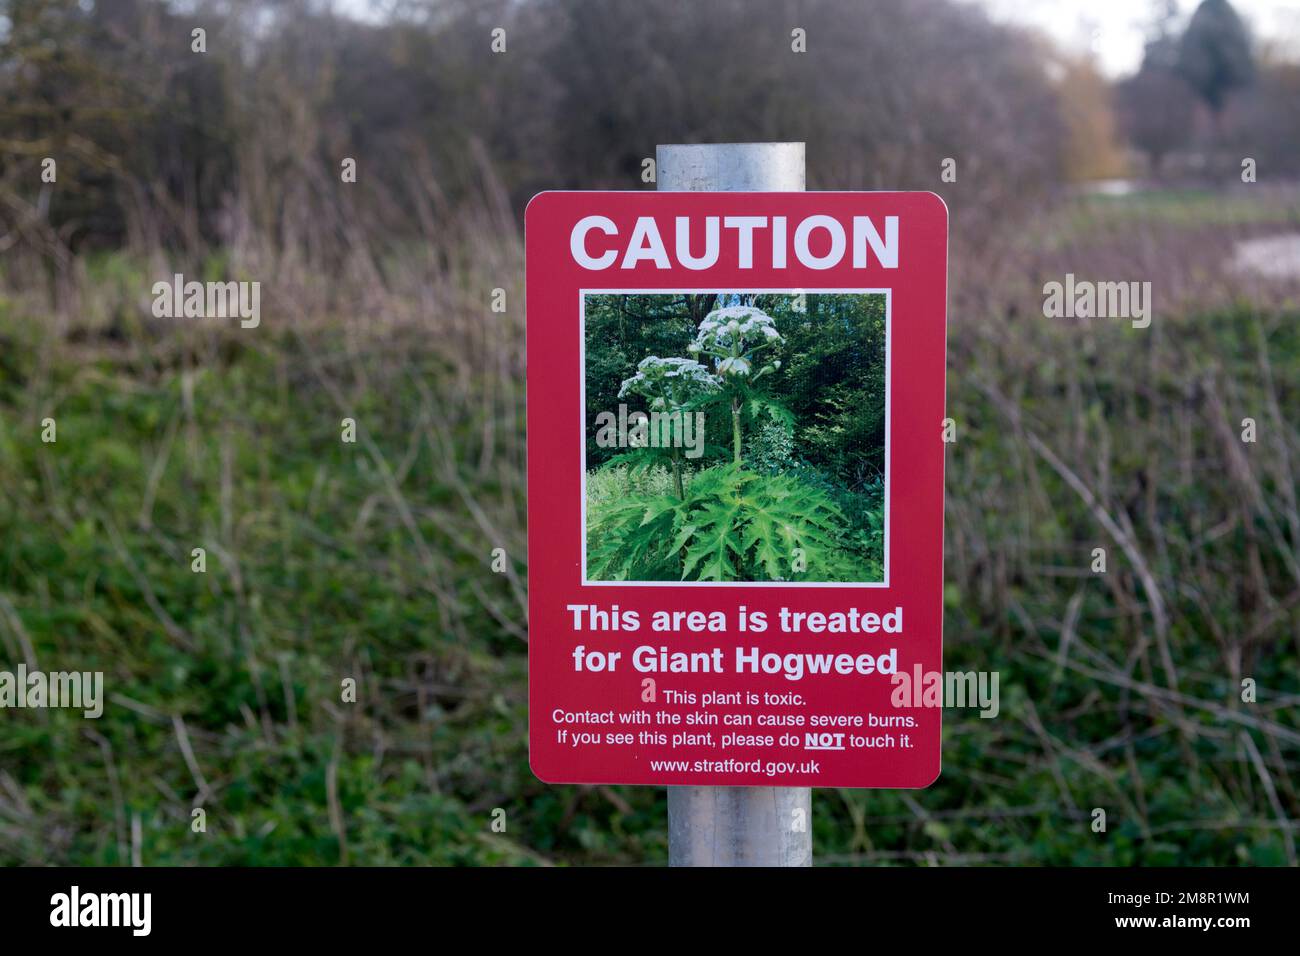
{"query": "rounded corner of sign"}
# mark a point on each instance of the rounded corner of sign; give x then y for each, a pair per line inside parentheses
(943, 203)
(938, 772)
(539, 774)
(540, 197)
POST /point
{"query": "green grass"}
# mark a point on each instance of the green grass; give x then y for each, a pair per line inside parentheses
(1188, 207)
(1180, 216)
(311, 577)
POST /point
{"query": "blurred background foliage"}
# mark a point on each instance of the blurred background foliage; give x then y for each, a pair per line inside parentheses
(372, 561)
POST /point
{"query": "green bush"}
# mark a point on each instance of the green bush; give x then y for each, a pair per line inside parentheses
(732, 525)
(615, 481)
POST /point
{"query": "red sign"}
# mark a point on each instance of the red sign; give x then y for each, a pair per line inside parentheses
(735, 487)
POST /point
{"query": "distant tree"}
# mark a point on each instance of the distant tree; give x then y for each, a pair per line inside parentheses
(1155, 105)
(160, 147)
(1091, 147)
(1214, 56)
(1266, 122)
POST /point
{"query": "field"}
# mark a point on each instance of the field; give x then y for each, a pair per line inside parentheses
(373, 560)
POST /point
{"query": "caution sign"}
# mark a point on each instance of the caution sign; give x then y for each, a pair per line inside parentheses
(735, 487)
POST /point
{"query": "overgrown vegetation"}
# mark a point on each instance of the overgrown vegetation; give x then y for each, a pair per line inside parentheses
(372, 561)
(733, 525)
(325, 560)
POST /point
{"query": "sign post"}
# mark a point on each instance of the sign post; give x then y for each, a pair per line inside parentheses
(735, 493)
(736, 826)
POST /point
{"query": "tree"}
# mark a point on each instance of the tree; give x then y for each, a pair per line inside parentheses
(1266, 121)
(1214, 56)
(1155, 105)
(1091, 148)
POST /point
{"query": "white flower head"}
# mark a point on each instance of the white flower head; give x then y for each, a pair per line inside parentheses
(669, 381)
(732, 335)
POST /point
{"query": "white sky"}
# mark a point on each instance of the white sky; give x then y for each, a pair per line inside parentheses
(1116, 29)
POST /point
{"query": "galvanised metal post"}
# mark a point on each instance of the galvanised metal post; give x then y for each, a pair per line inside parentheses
(736, 826)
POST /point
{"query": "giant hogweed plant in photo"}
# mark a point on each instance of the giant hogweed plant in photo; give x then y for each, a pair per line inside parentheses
(672, 386)
(752, 509)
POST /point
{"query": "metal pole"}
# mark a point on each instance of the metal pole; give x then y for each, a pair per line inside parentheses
(736, 826)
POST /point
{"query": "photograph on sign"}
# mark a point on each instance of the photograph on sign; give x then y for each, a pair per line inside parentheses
(748, 445)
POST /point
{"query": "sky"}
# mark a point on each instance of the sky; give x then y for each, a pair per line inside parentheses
(1114, 30)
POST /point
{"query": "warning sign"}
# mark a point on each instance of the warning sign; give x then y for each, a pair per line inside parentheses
(735, 487)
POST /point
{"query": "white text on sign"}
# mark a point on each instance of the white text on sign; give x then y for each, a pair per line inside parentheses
(645, 243)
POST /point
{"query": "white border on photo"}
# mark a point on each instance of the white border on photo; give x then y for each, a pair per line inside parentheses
(582, 411)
